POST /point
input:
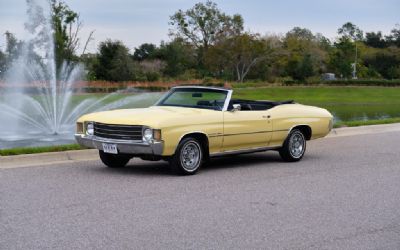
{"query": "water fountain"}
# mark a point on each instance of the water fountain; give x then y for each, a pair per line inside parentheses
(37, 105)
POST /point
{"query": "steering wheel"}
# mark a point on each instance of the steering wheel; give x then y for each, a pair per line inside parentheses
(216, 104)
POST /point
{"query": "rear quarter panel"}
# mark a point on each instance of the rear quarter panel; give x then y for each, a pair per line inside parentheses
(285, 117)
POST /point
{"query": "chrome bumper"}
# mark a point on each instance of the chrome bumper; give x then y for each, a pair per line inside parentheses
(125, 147)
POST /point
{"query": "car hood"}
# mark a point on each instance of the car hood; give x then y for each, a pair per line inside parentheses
(155, 116)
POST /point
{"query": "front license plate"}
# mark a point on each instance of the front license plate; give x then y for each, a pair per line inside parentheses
(110, 148)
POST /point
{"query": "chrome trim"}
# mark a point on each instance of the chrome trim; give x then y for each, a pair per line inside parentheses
(215, 135)
(199, 87)
(249, 133)
(297, 145)
(118, 125)
(121, 131)
(243, 151)
(118, 134)
(191, 156)
(257, 132)
(192, 132)
(161, 98)
(124, 146)
(227, 100)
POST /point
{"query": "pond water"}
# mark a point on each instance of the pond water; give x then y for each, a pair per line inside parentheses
(352, 112)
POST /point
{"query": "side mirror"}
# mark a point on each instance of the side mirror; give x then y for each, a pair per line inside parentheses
(236, 107)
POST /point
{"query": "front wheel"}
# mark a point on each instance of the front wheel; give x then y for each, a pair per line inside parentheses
(188, 157)
(114, 161)
(294, 147)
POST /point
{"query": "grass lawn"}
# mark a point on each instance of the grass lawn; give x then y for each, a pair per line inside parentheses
(346, 103)
(35, 150)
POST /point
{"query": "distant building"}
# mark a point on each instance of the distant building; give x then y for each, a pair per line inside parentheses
(328, 77)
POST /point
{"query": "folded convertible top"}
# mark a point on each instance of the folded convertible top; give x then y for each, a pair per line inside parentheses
(257, 105)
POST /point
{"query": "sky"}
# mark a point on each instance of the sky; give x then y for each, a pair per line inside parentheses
(138, 21)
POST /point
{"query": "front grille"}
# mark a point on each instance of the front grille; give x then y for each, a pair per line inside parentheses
(120, 132)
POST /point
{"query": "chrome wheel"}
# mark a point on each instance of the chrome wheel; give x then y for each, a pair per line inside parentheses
(297, 145)
(190, 156)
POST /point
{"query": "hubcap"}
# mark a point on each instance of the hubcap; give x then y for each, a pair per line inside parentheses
(297, 145)
(191, 156)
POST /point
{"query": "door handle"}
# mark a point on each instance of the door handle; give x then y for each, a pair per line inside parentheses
(266, 116)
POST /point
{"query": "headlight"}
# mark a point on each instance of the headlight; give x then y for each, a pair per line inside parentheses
(90, 128)
(147, 134)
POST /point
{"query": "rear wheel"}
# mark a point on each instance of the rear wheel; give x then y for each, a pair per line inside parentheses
(188, 157)
(114, 161)
(294, 147)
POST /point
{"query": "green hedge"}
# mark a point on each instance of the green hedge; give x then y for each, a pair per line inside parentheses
(211, 84)
(349, 82)
(114, 89)
(140, 88)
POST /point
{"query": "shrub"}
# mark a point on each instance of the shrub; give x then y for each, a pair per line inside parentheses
(346, 82)
(152, 76)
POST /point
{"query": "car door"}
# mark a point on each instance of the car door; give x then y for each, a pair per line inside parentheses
(246, 129)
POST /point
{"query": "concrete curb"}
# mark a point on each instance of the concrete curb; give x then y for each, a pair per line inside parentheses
(46, 159)
(362, 130)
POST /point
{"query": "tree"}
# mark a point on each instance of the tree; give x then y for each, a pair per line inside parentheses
(12, 50)
(351, 31)
(301, 33)
(239, 53)
(300, 70)
(394, 37)
(3, 63)
(114, 62)
(204, 23)
(91, 62)
(305, 53)
(324, 42)
(342, 57)
(145, 51)
(179, 56)
(152, 69)
(385, 61)
(12, 46)
(375, 40)
(66, 25)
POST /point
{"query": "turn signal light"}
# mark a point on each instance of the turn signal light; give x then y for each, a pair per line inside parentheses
(157, 134)
(79, 128)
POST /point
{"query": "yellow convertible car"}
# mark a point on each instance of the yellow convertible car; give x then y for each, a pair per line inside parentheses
(189, 125)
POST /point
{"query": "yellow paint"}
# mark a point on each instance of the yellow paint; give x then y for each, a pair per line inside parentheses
(226, 130)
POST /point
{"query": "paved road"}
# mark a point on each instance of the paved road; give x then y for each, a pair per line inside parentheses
(345, 194)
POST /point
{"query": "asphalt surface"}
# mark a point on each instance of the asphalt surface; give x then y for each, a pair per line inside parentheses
(344, 194)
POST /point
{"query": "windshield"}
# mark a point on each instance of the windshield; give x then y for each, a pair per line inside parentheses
(195, 98)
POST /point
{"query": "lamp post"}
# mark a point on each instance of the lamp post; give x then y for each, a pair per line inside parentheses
(355, 64)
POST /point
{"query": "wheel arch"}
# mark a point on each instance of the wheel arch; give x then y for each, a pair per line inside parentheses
(305, 129)
(201, 137)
